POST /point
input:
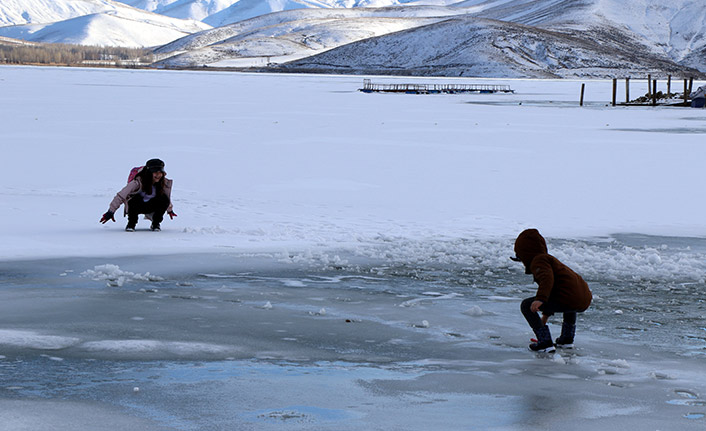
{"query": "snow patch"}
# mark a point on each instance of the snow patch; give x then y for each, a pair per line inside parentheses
(154, 346)
(115, 277)
(34, 340)
(474, 311)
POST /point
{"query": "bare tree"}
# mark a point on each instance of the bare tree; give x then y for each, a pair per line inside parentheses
(73, 55)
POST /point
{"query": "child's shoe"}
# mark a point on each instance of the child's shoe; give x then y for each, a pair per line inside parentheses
(566, 339)
(544, 342)
(155, 227)
(546, 347)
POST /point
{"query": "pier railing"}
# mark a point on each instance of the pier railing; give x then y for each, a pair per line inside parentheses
(369, 87)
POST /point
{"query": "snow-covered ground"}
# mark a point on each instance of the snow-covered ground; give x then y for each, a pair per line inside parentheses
(291, 162)
(341, 258)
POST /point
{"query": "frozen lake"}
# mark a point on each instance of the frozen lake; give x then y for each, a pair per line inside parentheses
(231, 341)
(340, 259)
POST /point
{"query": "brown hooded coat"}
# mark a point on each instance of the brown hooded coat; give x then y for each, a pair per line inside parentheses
(558, 284)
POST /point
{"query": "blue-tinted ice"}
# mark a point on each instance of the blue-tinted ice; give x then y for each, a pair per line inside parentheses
(367, 341)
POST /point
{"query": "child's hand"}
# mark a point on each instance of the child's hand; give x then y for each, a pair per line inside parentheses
(535, 306)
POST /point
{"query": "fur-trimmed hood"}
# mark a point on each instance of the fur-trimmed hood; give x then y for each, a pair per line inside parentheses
(528, 245)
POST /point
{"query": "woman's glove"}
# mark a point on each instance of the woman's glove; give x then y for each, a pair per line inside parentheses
(107, 216)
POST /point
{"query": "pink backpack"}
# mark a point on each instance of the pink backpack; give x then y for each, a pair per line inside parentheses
(133, 173)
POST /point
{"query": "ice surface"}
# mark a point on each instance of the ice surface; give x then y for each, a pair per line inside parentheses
(242, 346)
(341, 256)
(22, 415)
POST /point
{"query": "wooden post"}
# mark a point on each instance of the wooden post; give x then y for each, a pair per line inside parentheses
(669, 85)
(627, 90)
(654, 93)
(649, 84)
(615, 89)
(691, 85)
(583, 87)
(686, 92)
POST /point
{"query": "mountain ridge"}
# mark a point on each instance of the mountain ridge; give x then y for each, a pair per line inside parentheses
(493, 48)
(542, 38)
(115, 25)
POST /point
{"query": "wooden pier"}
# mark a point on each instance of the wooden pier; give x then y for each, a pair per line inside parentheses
(653, 97)
(369, 87)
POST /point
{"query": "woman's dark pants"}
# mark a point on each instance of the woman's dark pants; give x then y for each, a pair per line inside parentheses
(156, 206)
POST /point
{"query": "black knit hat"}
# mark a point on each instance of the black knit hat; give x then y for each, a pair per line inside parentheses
(154, 165)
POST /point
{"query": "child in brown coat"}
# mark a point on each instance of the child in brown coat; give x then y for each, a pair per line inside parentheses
(559, 290)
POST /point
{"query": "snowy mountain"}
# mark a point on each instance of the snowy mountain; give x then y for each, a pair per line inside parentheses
(18, 12)
(223, 12)
(130, 23)
(553, 38)
(468, 46)
(675, 28)
(184, 9)
(246, 9)
(293, 34)
(117, 25)
(502, 37)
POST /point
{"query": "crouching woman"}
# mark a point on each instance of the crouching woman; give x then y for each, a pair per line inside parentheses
(149, 193)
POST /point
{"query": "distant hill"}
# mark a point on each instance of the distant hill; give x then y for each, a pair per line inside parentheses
(674, 28)
(469, 46)
(123, 26)
(293, 34)
(183, 9)
(552, 38)
(223, 12)
(19, 12)
(246, 9)
(518, 38)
